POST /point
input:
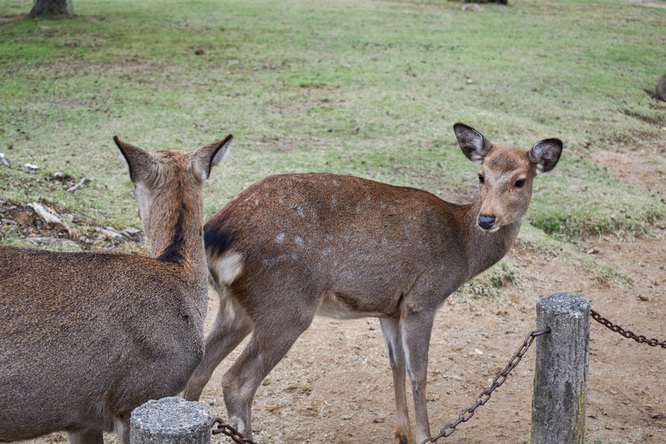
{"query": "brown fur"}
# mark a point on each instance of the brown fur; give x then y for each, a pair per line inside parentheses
(87, 337)
(292, 246)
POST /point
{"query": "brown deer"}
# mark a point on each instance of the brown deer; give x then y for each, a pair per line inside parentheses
(87, 337)
(298, 245)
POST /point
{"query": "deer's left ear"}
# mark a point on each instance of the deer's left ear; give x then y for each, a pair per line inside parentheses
(545, 154)
(141, 163)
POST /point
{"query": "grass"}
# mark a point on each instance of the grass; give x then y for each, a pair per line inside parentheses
(365, 87)
(489, 284)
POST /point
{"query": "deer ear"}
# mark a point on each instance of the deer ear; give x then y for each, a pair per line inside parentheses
(140, 162)
(472, 143)
(545, 154)
(208, 156)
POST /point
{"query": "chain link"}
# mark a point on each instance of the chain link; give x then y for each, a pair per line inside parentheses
(228, 430)
(626, 333)
(467, 414)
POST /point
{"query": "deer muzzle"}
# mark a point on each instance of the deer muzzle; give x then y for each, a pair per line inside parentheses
(486, 223)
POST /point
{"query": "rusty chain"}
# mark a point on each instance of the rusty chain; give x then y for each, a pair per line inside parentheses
(467, 414)
(228, 430)
(626, 333)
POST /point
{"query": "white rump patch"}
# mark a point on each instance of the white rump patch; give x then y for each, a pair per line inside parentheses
(228, 267)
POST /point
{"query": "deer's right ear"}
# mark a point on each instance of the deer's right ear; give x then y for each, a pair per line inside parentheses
(208, 156)
(472, 143)
(140, 162)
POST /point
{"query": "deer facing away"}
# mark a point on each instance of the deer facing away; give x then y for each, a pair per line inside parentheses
(87, 337)
(294, 246)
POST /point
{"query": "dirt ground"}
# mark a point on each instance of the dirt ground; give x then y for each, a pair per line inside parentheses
(335, 385)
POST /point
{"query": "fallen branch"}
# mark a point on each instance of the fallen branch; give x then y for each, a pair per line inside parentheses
(75, 187)
(4, 161)
(50, 217)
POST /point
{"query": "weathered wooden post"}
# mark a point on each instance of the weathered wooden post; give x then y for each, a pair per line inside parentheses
(560, 380)
(170, 420)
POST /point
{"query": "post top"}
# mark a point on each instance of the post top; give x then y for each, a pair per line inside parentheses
(159, 414)
(564, 303)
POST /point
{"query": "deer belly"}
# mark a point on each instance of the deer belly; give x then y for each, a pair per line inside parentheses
(341, 306)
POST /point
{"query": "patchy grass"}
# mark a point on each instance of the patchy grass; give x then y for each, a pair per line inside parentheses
(601, 273)
(363, 87)
(490, 283)
(582, 200)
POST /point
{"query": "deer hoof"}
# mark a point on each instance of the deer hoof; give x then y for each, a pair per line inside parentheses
(402, 438)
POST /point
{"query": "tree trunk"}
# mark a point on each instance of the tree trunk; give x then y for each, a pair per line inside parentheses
(50, 7)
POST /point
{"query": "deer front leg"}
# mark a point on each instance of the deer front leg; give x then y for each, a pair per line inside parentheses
(416, 328)
(393, 338)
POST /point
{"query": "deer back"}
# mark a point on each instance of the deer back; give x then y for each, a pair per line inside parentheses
(83, 340)
(361, 242)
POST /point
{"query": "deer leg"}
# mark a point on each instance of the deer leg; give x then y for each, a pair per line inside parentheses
(122, 427)
(229, 330)
(86, 437)
(416, 329)
(392, 336)
(265, 349)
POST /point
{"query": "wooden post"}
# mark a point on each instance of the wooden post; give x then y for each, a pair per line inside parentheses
(171, 421)
(560, 380)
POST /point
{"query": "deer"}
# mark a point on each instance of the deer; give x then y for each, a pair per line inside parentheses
(293, 246)
(86, 337)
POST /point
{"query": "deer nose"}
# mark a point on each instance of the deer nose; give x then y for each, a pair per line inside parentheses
(486, 222)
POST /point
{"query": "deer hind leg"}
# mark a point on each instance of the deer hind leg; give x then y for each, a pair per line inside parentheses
(393, 338)
(86, 437)
(269, 343)
(231, 327)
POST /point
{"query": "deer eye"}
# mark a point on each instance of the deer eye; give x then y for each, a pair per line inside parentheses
(481, 178)
(520, 183)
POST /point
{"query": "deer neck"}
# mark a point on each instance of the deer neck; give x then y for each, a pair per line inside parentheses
(484, 248)
(175, 230)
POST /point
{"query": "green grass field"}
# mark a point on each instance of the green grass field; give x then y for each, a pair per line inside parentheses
(366, 87)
